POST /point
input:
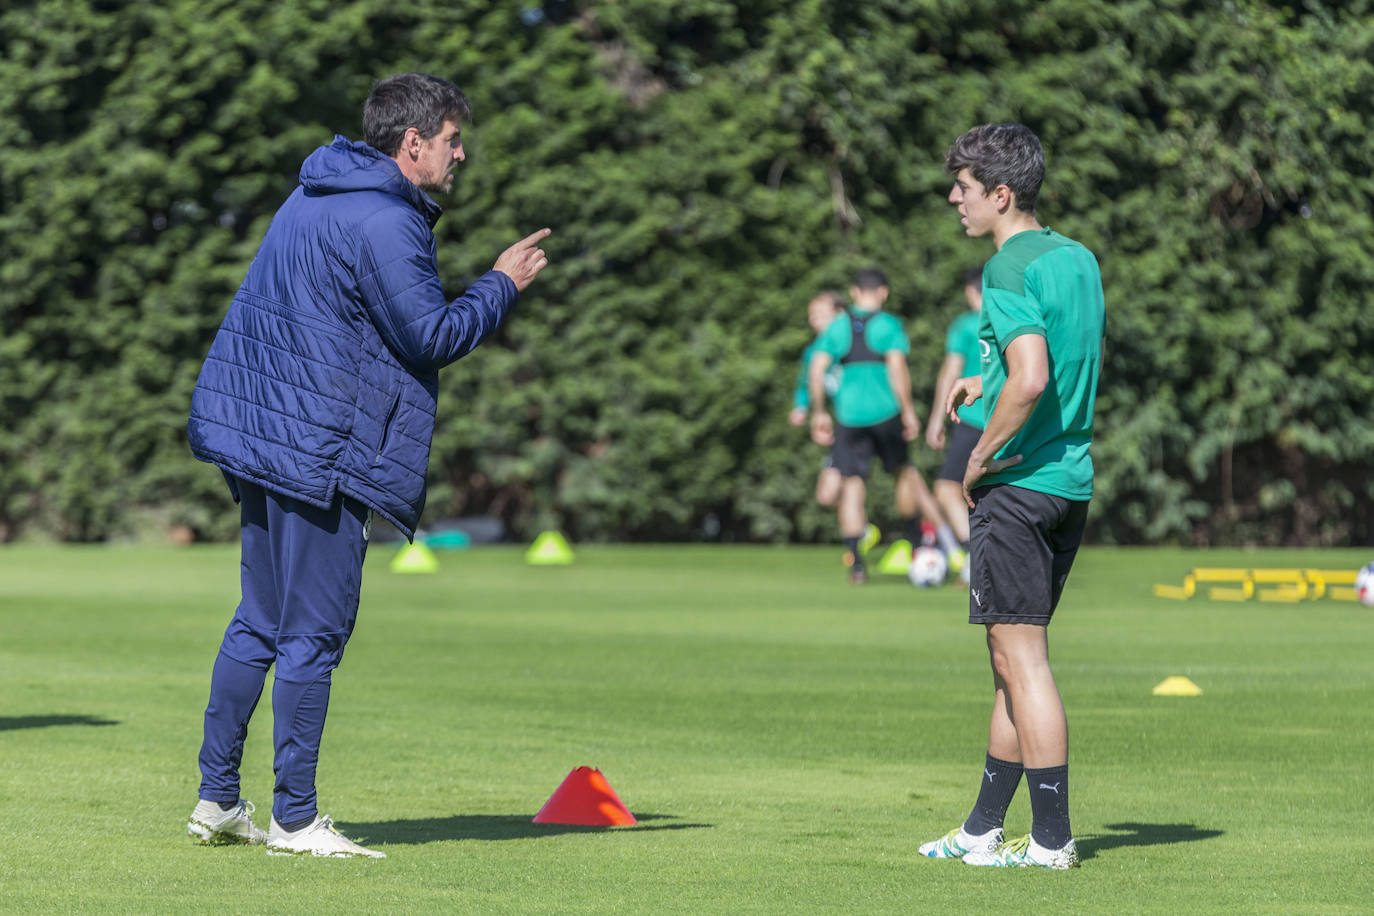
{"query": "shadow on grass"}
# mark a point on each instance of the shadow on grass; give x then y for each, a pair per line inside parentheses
(1089, 845)
(488, 827)
(9, 723)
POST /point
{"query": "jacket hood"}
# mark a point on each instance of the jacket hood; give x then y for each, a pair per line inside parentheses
(346, 165)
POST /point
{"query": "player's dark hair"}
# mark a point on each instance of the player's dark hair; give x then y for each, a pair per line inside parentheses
(974, 277)
(870, 278)
(997, 154)
(408, 100)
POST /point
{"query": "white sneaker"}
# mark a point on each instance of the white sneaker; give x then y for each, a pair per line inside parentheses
(956, 844)
(1026, 853)
(316, 839)
(213, 826)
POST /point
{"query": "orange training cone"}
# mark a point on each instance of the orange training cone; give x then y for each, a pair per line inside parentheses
(585, 797)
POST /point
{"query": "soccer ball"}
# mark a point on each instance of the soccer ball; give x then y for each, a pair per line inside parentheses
(928, 567)
(1364, 585)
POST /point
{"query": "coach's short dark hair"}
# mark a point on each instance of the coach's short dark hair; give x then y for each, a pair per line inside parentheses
(997, 154)
(870, 278)
(973, 276)
(408, 100)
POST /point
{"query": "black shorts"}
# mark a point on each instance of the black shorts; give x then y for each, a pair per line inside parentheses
(855, 447)
(960, 438)
(1021, 547)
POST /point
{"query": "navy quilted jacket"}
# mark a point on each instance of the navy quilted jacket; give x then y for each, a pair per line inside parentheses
(323, 375)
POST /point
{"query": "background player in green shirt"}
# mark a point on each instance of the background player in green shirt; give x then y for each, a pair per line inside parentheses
(1028, 482)
(962, 357)
(820, 312)
(873, 411)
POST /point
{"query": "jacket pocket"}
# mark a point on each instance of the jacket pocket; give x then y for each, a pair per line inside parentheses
(386, 428)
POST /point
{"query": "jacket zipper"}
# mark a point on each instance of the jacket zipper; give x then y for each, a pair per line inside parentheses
(386, 428)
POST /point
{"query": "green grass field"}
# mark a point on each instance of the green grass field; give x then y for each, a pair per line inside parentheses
(785, 740)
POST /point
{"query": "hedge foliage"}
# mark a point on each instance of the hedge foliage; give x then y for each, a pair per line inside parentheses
(706, 167)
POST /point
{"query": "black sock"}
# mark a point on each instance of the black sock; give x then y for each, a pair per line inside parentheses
(227, 806)
(1000, 779)
(853, 545)
(298, 825)
(1049, 789)
(911, 531)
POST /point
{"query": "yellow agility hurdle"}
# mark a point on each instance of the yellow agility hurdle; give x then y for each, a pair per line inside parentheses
(1274, 585)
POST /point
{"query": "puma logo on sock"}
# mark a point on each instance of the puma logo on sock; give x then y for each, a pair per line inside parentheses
(1054, 788)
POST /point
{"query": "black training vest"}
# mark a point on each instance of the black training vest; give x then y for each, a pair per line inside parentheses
(859, 350)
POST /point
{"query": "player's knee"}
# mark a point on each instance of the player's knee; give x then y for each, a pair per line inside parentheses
(1002, 665)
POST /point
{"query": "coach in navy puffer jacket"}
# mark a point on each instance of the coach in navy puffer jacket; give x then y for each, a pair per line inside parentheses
(322, 378)
(317, 401)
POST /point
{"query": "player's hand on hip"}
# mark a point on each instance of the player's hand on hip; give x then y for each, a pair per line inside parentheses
(822, 428)
(523, 260)
(964, 392)
(977, 469)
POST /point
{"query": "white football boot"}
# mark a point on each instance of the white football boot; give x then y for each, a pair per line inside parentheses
(319, 838)
(956, 844)
(1024, 852)
(213, 826)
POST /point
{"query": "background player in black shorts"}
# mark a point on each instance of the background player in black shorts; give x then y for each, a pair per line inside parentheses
(957, 440)
(874, 415)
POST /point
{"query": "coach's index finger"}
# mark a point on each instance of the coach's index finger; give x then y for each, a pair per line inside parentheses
(534, 238)
(523, 260)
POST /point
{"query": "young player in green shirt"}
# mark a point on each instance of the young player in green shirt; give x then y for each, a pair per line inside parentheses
(1028, 482)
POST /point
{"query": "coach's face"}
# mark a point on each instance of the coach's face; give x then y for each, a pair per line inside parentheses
(438, 157)
(977, 208)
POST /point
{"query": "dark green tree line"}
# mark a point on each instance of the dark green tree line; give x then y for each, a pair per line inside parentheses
(706, 167)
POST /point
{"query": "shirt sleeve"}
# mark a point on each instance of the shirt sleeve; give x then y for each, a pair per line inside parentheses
(886, 334)
(1012, 314)
(834, 340)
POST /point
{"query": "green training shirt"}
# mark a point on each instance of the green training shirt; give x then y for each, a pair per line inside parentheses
(1043, 283)
(962, 340)
(865, 396)
(801, 397)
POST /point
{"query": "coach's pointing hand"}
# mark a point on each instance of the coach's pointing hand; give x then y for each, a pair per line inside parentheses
(523, 260)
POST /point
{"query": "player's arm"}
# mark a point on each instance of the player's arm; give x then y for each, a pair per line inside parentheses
(822, 427)
(899, 377)
(1028, 372)
(935, 426)
(801, 395)
(398, 281)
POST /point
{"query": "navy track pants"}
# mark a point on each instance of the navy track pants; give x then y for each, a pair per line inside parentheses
(301, 575)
